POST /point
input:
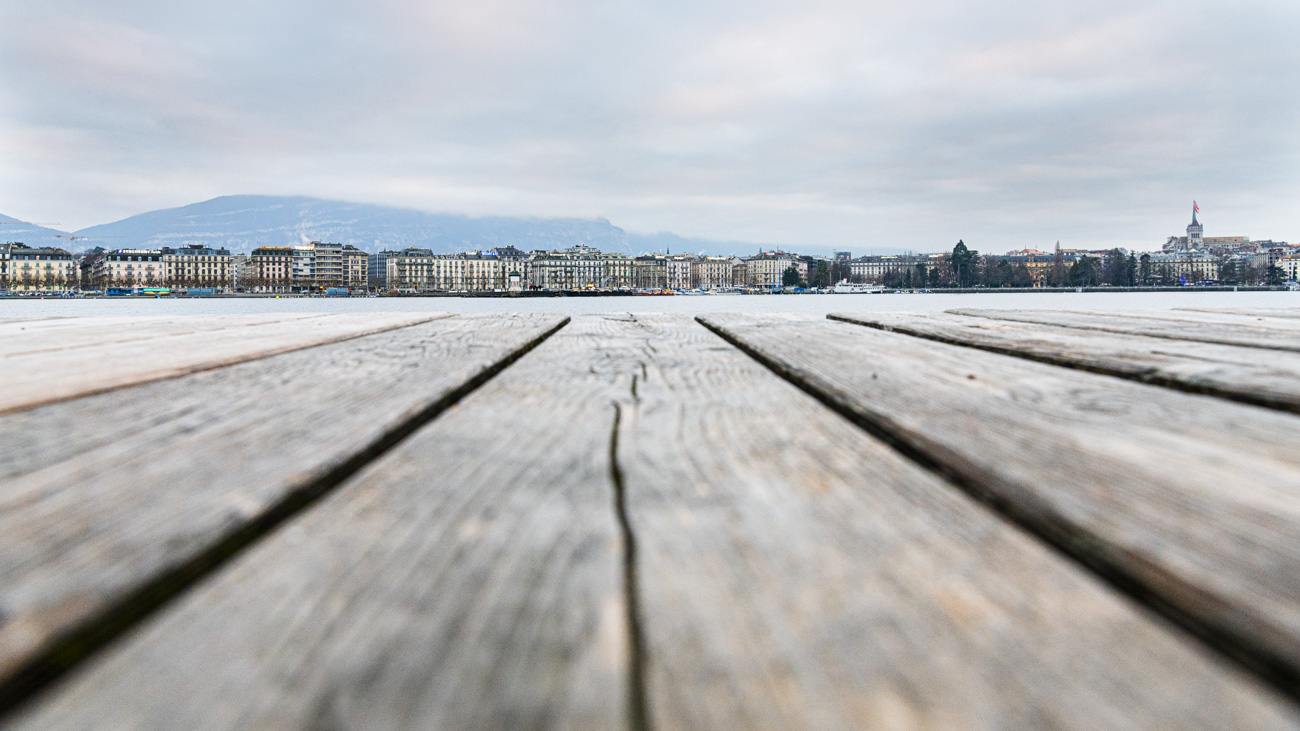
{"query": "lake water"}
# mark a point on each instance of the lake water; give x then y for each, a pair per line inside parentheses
(810, 304)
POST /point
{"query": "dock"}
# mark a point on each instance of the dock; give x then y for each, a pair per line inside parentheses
(979, 519)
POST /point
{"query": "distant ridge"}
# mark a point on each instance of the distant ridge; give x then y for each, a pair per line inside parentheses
(242, 223)
(33, 236)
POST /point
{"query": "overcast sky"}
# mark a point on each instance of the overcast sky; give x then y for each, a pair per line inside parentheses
(864, 125)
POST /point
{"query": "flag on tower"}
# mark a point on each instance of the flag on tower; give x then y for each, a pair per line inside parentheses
(1195, 208)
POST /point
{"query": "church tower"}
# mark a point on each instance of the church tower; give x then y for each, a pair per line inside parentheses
(1194, 230)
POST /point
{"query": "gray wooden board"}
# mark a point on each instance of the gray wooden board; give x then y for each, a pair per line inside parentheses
(1287, 312)
(104, 495)
(471, 578)
(33, 336)
(1189, 501)
(792, 572)
(54, 363)
(1276, 333)
(1252, 375)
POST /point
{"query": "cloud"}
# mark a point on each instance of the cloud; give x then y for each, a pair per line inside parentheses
(868, 124)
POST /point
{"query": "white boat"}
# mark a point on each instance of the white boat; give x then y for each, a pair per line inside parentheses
(847, 287)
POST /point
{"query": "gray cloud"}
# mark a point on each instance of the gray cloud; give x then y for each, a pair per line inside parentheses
(854, 124)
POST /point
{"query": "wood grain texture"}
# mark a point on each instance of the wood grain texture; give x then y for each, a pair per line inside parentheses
(1287, 312)
(113, 502)
(23, 335)
(1250, 375)
(1275, 333)
(471, 578)
(57, 360)
(1186, 501)
(793, 573)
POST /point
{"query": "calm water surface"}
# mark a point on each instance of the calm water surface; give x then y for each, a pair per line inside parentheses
(809, 304)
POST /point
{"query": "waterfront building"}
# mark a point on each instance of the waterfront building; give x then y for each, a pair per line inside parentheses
(27, 269)
(271, 268)
(650, 271)
(325, 264)
(131, 268)
(241, 270)
(409, 269)
(877, 268)
(677, 271)
(1039, 263)
(766, 270)
(475, 271)
(1290, 264)
(4, 265)
(355, 266)
(377, 270)
(1187, 267)
(197, 265)
(712, 272)
(303, 264)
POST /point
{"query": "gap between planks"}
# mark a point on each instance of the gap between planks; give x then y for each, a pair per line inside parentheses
(43, 374)
(1255, 376)
(458, 582)
(25, 676)
(1212, 576)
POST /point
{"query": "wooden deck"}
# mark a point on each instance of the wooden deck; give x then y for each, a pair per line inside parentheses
(977, 519)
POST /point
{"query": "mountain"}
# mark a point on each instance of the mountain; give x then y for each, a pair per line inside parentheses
(32, 235)
(244, 222)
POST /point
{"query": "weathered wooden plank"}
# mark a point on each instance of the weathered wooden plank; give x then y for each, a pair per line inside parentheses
(471, 578)
(1286, 312)
(1251, 375)
(1186, 501)
(113, 501)
(41, 370)
(26, 335)
(790, 572)
(1274, 333)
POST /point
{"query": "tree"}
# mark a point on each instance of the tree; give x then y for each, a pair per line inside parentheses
(790, 278)
(963, 264)
(1130, 271)
(1228, 272)
(821, 276)
(1086, 272)
(1114, 270)
(1057, 275)
(922, 276)
(1144, 270)
(1021, 276)
(1275, 275)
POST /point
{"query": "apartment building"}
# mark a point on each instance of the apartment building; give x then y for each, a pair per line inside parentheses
(677, 272)
(355, 266)
(713, 272)
(410, 268)
(473, 272)
(766, 270)
(1188, 267)
(37, 269)
(131, 268)
(650, 271)
(579, 267)
(326, 264)
(271, 268)
(197, 266)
